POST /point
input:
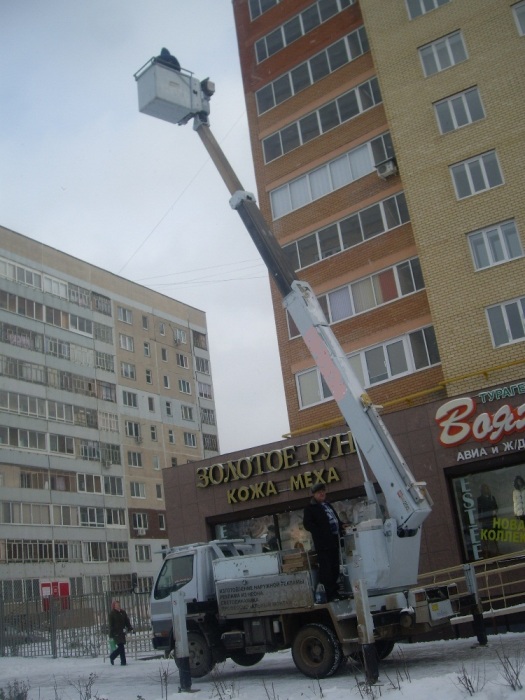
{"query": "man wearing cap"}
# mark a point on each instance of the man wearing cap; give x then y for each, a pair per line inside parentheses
(321, 520)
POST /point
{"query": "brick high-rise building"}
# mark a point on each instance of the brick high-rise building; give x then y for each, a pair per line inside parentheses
(388, 141)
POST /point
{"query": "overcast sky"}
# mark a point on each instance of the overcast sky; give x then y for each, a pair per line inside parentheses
(83, 171)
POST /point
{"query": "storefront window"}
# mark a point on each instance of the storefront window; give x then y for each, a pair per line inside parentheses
(491, 511)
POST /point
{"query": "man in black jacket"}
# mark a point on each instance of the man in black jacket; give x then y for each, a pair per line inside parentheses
(321, 520)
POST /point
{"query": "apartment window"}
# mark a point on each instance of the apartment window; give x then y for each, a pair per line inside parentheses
(145, 323)
(158, 489)
(395, 358)
(257, 7)
(182, 360)
(327, 117)
(168, 408)
(173, 461)
(443, 53)
(187, 412)
(143, 552)
(149, 377)
(202, 365)
(153, 433)
(132, 429)
(164, 354)
(184, 386)
(208, 416)
(94, 552)
(113, 486)
(137, 490)
(348, 232)
(316, 68)
(115, 516)
(205, 391)
(519, 16)
(190, 440)
(162, 521)
(130, 399)
(331, 176)
(507, 322)
(151, 403)
(134, 459)
(89, 483)
(421, 7)
(171, 437)
(126, 342)
(147, 350)
(139, 521)
(200, 341)
(495, 244)
(125, 315)
(162, 328)
(127, 370)
(459, 110)
(298, 26)
(210, 442)
(156, 462)
(92, 517)
(61, 444)
(80, 325)
(166, 381)
(476, 175)
(180, 336)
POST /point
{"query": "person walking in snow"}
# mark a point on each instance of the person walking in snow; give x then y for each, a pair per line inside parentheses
(119, 624)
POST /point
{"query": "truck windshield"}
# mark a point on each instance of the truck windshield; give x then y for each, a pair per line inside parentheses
(175, 574)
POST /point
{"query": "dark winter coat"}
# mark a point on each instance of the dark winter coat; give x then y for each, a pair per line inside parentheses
(317, 523)
(119, 624)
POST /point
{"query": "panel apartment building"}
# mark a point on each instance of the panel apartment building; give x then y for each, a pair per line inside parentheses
(388, 143)
(104, 384)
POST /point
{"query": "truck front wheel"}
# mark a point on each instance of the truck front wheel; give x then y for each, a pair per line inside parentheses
(201, 658)
(316, 651)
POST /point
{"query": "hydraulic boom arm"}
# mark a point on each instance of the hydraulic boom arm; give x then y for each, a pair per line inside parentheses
(407, 500)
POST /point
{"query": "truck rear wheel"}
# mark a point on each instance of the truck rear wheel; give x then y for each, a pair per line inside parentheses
(201, 658)
(316, 651)
(243, 659)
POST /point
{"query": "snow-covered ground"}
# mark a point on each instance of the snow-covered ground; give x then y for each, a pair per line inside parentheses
(422, 671)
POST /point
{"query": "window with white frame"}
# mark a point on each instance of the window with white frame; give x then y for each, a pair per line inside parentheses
(314, 69)
(94, 552)
(115, 516)
(153, 432)
(476, 174)
(184, 386)
(61, 444)
(298, 26)
(158, 489)
(443, 53)
(205, 391)
(164, 354)
(89, 483)
(331, 176)
(519, 15)
(137, 489)
(507, 322)
(143, 552)
(126, 342)
(168, 408)
(127, 370)
(134, 459)
(190, 440)
(202, 365)
(149, 377)
(166, 381)
(459, 110)
(162, 328)
(129, 398)
(80, 324)
(421, 7)
(258, 7)
(208, 416)
(145, 322)
(113, 486)
(92, 517)
(151, 403)
(132, 428)
(180, 336)
(389, 360)
(162, 521)
(495, 245)
(171, 437)
(187, 412)
(350, 231)
(156, 462)
(125, 315)
(139, 521)
(147, 349)
(327, 117)
(182, 360)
